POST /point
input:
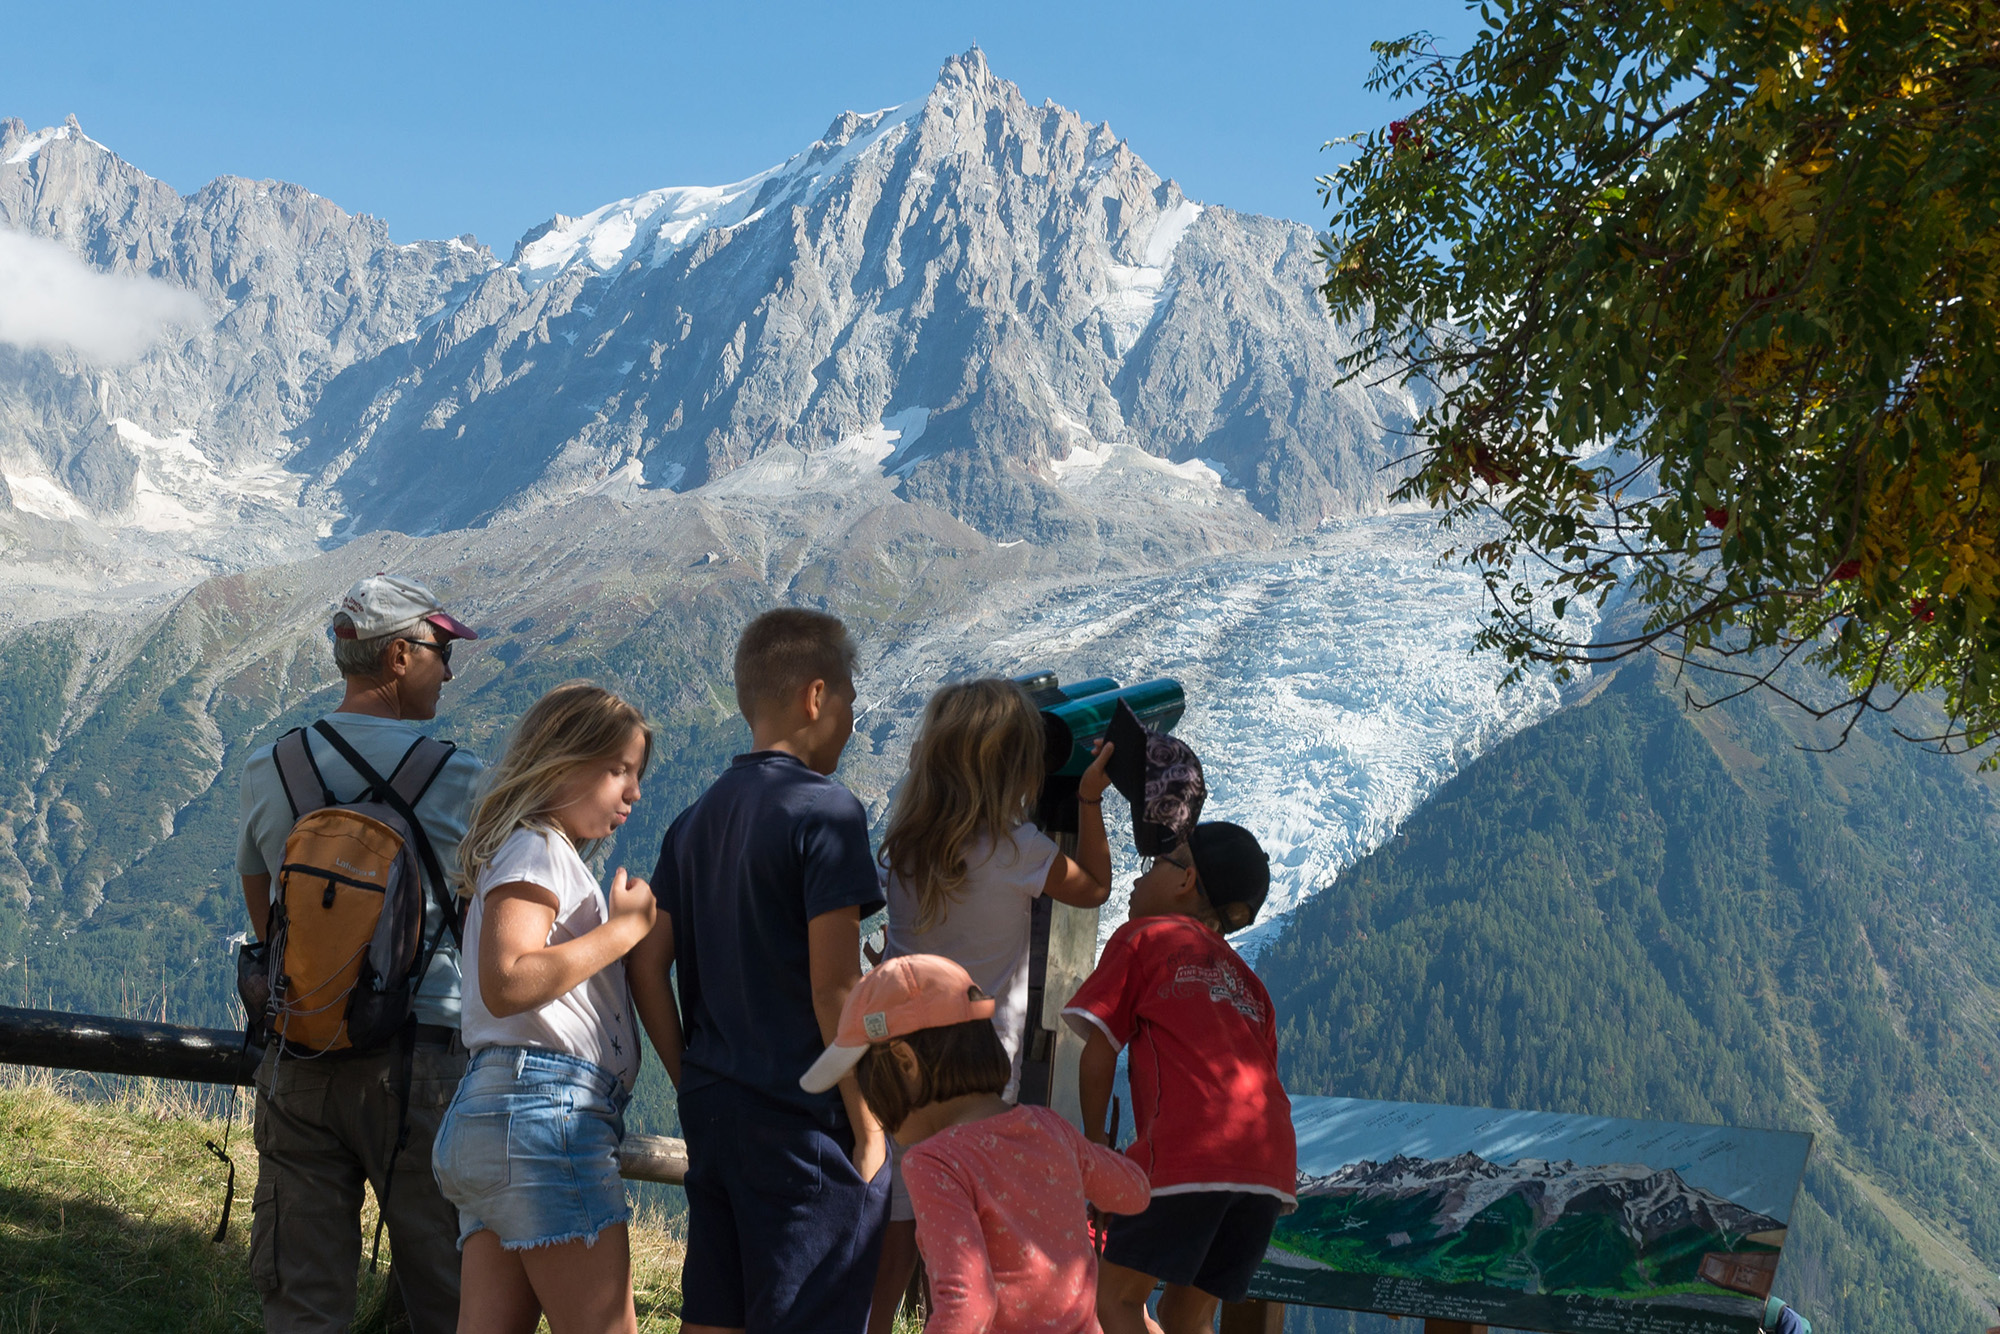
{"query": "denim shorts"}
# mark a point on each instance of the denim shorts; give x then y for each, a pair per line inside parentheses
(529, 1148)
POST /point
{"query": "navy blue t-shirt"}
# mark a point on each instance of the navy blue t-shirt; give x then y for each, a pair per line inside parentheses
(770, 846)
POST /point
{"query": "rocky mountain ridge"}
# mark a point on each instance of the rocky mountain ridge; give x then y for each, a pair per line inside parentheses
(1650, 1202)
(1006, 293)
(140, 478)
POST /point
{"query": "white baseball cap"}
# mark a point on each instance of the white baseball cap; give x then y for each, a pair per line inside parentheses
(382, 604)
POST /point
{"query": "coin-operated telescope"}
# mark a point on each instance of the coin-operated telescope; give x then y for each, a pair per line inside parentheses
(1063, 943)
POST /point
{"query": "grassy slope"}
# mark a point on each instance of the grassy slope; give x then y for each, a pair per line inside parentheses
(107, 1209)
(1632, 911)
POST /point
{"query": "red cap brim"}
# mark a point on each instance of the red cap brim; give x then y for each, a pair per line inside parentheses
(455, 628)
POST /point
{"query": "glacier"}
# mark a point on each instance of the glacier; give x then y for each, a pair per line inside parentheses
(1332, 688)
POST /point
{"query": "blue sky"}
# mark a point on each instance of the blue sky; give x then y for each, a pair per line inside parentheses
(487, 118)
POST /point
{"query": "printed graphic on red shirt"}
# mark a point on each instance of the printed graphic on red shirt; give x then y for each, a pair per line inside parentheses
(1207, 1104)
(1223, 986)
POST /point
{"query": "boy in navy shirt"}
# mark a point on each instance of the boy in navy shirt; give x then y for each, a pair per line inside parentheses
(762, 886)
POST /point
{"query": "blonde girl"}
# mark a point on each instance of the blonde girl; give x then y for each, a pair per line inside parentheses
(965, 867)
(529, 1147)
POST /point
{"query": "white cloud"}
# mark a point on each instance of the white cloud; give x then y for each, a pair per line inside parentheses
(50, 298)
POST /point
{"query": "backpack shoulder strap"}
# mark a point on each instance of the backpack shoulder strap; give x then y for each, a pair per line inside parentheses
(387, 794)
(419, 768)
(299, 775)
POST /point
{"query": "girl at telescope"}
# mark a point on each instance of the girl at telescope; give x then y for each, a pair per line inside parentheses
(965, 866)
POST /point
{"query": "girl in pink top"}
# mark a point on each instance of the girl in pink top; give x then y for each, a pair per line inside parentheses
(1000, 1192)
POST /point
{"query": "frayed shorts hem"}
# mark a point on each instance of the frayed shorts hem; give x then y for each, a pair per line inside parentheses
(589, 1238)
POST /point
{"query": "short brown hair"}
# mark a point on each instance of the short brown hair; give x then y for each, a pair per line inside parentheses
(360, 657)
(951, 1061)
(786, 649)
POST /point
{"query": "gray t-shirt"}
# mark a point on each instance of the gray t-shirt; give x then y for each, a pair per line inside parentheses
(445, 810)
(986, 928)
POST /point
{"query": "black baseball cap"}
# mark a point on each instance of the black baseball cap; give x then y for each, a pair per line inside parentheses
(1231, 863)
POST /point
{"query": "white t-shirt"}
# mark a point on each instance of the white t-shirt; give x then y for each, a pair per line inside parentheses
(593, 1019)
(986, 926)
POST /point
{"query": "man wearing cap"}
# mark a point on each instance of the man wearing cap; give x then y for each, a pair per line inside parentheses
(326, 1125)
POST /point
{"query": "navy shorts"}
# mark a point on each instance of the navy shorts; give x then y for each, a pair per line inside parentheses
(783, 1234)
(1207, 1239)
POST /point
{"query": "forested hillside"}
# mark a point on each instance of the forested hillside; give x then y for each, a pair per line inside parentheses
(1635, 910)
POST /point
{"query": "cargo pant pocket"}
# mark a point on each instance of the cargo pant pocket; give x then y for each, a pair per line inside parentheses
(264, 1237)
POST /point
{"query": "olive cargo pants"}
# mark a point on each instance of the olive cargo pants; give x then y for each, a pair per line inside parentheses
(323, 1127)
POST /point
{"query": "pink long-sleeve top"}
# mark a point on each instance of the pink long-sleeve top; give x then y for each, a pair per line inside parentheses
(1002, 1226)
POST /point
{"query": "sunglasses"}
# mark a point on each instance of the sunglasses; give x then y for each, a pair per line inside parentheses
(1146, 864)
(442, 650)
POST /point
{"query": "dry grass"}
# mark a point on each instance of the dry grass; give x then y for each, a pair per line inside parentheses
(108, 1201)
(107, 1205)
(106, 1209)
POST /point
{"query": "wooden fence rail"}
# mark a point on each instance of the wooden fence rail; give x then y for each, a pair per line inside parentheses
(62, 1041)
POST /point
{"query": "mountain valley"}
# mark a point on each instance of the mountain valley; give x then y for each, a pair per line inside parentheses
(972, 374)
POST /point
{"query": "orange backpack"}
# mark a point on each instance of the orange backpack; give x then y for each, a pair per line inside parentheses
(347, 952)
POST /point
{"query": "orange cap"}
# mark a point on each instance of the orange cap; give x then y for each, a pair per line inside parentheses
(899, 997)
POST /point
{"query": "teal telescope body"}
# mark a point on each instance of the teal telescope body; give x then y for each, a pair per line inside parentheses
(1083, 713)
(1062, 941)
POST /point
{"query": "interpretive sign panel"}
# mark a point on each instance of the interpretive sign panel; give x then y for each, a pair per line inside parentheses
(1531, 1220)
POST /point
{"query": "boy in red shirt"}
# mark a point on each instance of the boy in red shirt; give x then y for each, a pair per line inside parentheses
(1214, 1124)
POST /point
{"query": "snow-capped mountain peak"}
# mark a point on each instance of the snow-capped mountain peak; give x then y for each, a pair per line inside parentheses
(18, 145)
(648, 228)
(1015, 275)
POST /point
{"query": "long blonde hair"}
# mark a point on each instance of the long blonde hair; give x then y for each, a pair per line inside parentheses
(576, 724)
(975, 768)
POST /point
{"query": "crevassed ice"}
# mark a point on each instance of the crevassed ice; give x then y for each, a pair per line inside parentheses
(177, 488)
(1331, 690)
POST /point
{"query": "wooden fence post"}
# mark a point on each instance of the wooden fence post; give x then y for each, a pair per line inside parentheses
(1253, 1317)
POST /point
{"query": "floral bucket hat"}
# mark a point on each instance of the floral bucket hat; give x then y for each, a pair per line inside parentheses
(1161, 776)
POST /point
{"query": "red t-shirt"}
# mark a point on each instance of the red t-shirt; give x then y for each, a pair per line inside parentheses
(1206, 1101)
